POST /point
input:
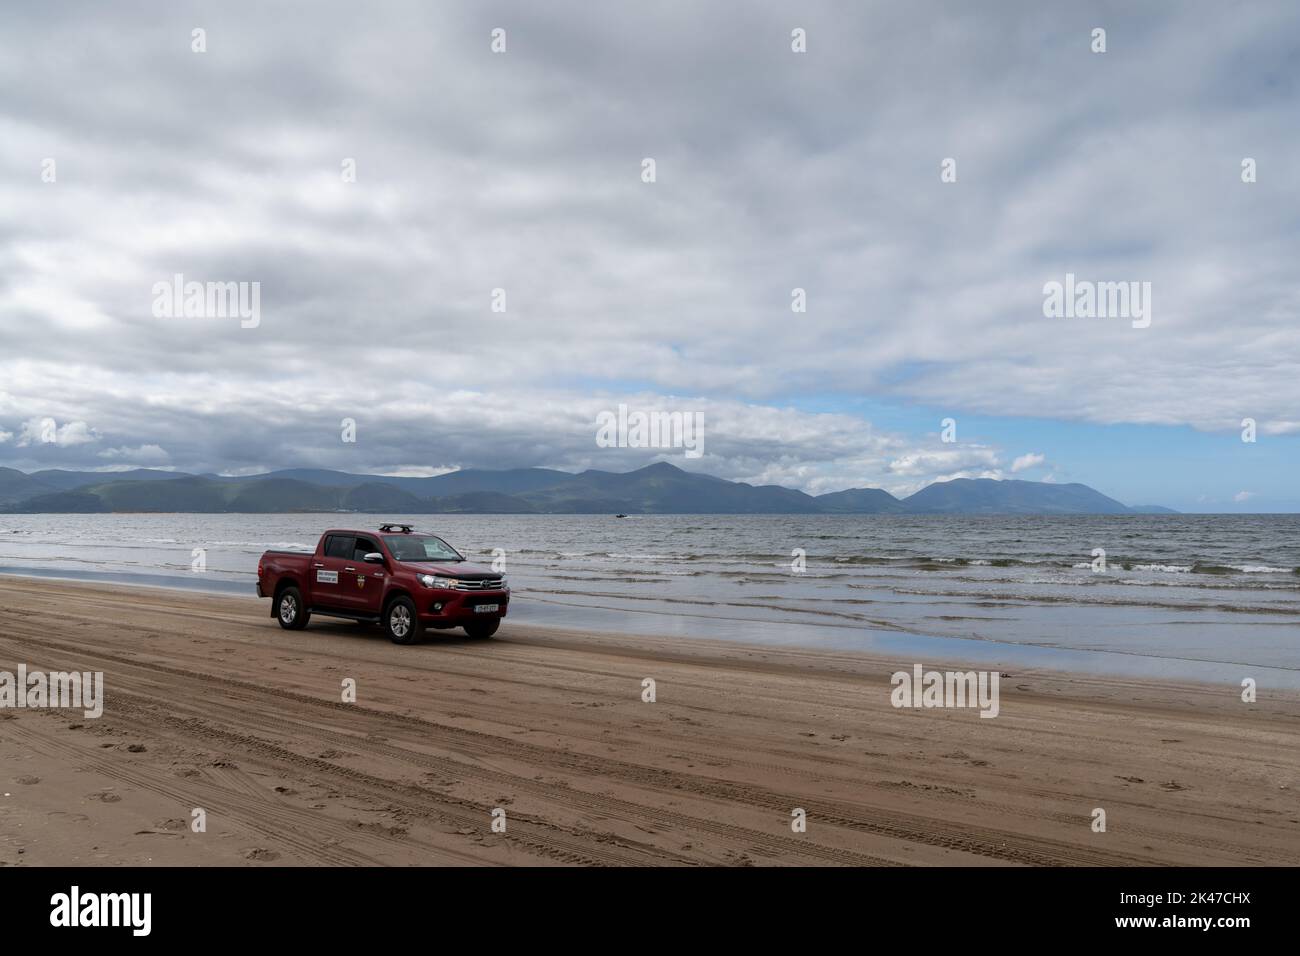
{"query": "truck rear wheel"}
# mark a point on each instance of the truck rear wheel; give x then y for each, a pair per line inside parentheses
(401, 621)
(289, 610)
(481, 630)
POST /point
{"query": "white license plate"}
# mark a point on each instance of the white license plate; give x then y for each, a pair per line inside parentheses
(486, 608)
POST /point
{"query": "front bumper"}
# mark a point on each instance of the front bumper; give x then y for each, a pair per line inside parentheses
(450, 608)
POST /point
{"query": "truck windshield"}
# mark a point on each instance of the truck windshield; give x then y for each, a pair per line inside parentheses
(420, 547)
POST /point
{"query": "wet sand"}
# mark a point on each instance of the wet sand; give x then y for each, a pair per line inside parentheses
(211, 706)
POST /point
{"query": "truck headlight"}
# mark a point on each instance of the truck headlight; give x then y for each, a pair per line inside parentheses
(429, 581)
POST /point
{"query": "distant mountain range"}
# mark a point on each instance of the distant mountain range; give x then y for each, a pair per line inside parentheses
(656, 489)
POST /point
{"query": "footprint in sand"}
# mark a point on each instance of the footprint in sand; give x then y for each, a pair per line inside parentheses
(395, 831)
(28, 780)
(261, 854)
(171, 827)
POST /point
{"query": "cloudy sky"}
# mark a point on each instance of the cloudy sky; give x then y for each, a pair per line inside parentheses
(774, 170)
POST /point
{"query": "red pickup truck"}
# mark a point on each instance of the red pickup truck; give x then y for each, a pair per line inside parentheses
(399, 579)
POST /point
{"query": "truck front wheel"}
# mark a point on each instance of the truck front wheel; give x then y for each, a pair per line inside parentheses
(401, 621)
(289, 610)
(481, 630)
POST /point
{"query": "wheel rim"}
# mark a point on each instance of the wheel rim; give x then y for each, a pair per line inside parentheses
(288, 609)
(399, 620)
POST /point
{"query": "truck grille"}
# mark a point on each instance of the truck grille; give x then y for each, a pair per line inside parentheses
(487, 584)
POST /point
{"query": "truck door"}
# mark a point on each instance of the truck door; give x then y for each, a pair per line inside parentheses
(327, 571)
(362, 585)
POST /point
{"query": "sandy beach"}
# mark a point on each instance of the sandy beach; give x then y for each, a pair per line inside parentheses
(210, 705)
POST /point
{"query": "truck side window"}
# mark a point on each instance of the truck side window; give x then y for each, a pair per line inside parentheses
(363, 547)
(339, 546)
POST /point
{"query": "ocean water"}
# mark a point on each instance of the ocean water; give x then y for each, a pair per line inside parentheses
(1212, 597)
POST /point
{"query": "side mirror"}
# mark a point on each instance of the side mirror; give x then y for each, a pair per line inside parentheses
(374, 557)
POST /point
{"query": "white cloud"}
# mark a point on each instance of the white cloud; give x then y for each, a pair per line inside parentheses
(987, 473)
(682, 287)
(416, 471)
(46, 431)
(34, 430)
(1243, 496)
(1030, 460)
(75, 433)
(140, 455)
(946, 459)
